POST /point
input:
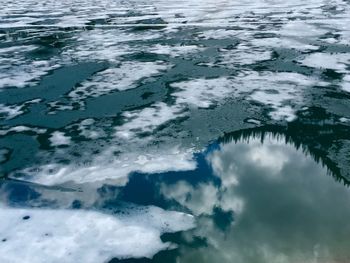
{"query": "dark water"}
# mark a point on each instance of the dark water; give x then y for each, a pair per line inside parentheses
(157, 131)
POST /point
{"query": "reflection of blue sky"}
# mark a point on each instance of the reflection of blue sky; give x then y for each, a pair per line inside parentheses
(285, 208)
(253, 201)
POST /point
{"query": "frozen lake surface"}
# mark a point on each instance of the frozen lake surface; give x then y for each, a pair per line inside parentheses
(175, 131)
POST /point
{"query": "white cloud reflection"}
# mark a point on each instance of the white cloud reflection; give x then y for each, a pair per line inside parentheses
(286, 209)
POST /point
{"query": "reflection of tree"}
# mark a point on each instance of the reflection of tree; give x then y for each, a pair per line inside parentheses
(314, 139)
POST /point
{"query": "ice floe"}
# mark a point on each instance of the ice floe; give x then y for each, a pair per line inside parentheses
(147, 119)
(21, 129)
(59, 138)
(41, 235)
(123, 77)
(10, 111)
(202, 93)
(338, 62)
(283, 92)
(105, 167)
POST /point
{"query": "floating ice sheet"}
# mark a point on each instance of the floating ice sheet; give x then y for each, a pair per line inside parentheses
(105, 167)
(123, 77)
(42, 235)
(59, 138)
(202, 93)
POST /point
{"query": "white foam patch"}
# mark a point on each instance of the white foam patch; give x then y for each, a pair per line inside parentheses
(106, 45)
(10, 111)
(103, 168)
(20, 129)
(346, 83)
(147, 119)
(284, 42)
(58, 106)
(89, 130)
(18, 71)
(283, 92)
(25, 74)
(301, 29)
(300, 23)
(202, 93)
(79, 13)
(59, 138)
(338, 62)
(344, 119)
(175, 51)
(242, 55)
(218, 34)
(124, 77)
(239, 13)
(85, 236)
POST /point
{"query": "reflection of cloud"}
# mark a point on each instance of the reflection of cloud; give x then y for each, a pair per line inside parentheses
(200, 200)
(297, 215)
(270, 157)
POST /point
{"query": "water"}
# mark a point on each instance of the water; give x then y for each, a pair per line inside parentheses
(157, 131)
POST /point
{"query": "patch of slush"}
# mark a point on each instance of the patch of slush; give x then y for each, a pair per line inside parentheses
(106, 45)
(202, 93)
(338, 62)
(61, 14)
(254, 121)
(293, 35)
(175, 51)
(18, 71)
(147, 119)
(344, 119)
(126, 76)
(283, 42)
(12, 111)
(218, 34)
(59, 138)
(301, 29)
(238, 13)
(106, 167)
(88, 129)
(243, 55)
(283, 92)
(47, 235)
(21, 129)
(346, 83)
(68, 14)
